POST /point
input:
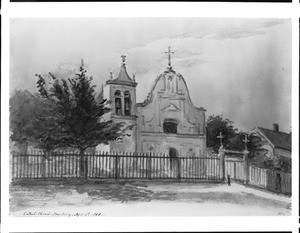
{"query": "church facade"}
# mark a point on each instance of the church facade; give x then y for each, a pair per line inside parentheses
(166, 122)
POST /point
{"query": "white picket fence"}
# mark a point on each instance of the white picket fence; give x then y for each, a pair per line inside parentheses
(266, 178)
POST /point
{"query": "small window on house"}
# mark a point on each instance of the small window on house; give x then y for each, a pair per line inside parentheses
(170, 126)
(127, 103)
(118, 102)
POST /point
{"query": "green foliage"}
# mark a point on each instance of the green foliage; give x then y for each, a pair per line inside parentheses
(234, 140)
(286, 166)
(215, 125)
(254, 144)
(21, 115)
(31, 120)
(78, 115)
(279, 164)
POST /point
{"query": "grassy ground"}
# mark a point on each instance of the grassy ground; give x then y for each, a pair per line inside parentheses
(143, 199)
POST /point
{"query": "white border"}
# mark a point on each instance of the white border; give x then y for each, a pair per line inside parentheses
(247, 10)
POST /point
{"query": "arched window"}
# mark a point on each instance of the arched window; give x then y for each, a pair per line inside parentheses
(118, 102)
(127, 103)
(170, 126)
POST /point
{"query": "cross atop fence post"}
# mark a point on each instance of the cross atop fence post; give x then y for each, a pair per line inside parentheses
(246, 141)
(246, 163)
(222, 158)
(220, 137)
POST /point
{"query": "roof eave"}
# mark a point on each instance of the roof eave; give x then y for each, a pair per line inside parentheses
(261, 133)
(121, 82)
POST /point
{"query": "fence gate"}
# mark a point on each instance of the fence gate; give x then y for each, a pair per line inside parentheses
(234, 167)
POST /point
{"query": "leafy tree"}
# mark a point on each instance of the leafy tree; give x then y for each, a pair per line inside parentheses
(215, 125)
(30, 121)
(78, 115)
(21, 115)
(234, 140)
(254, 144)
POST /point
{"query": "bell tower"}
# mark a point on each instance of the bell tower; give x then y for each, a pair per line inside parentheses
(121, 91)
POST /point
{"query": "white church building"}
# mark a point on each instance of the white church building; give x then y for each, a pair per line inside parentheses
(166, 122)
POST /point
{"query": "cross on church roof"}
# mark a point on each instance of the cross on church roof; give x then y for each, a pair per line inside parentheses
(220, 136)
(169, 55)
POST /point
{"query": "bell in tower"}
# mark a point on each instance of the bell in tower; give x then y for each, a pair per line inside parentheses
(127, 102)
(121, 91)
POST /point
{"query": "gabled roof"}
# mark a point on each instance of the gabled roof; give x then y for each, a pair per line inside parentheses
(278, 139)
(122, 77)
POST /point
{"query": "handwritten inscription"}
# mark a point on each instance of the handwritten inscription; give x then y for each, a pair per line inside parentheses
(47, 214)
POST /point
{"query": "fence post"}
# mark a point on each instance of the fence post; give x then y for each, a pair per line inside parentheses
(246, 167)
(44, 158)
(116, 166)
(222, 162)
(13, 165)
(86, 164)
(179, 166)
(148, 165)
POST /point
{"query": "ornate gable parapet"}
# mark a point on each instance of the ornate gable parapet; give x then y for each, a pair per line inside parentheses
(171, 108)
(201, 109)
(169, 84)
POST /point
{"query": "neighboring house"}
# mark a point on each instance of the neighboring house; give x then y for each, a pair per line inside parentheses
(277, 144)
(166, 122)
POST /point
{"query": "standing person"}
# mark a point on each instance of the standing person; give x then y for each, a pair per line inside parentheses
(278, 183)
(228, 180)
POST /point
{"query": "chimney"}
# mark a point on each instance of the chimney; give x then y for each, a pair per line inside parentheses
(275, 127)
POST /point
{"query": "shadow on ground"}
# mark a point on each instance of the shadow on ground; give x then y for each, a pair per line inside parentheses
(40, 195)
(26, 196)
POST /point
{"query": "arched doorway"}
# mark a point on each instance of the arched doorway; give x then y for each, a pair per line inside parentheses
(173, 155)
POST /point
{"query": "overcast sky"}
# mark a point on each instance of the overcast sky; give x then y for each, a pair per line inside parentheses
(240, 68)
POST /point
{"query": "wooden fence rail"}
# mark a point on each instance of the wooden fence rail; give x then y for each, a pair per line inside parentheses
(154, 166)
(267, 179)
(116, 165)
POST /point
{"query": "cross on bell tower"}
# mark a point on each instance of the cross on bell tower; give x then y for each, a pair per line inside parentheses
(123, 59)
(169, 55)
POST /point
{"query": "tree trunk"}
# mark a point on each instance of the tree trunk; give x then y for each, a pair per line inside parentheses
(83, 165)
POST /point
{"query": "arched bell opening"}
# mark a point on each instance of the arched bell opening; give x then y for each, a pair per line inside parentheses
(127, 103)
(118, 102)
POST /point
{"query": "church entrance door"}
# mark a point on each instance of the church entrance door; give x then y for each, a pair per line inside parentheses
(174, 162)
